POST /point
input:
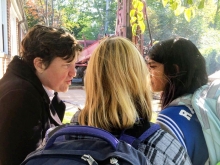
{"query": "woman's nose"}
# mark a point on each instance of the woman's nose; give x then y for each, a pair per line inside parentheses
(148, 67)
(72, 72)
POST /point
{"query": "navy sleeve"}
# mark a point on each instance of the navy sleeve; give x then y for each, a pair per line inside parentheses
(184, 124)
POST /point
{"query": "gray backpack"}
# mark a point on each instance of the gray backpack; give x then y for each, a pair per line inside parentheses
(206, 103)
(84, 145)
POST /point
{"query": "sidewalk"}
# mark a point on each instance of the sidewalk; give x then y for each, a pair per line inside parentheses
(75, 98)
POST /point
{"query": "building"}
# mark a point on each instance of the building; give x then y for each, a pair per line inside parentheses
(12, 29)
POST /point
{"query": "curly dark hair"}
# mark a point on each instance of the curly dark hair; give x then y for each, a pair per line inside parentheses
(191, 73)
(48, 43)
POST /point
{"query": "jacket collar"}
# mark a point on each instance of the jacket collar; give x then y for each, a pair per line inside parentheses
(183, 100)
(20, 68)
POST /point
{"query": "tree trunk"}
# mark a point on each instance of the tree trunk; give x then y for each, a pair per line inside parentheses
(216, 14)
(46, 13)
(52, 15)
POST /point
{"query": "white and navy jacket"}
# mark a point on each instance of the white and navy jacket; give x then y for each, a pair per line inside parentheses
(180, 120)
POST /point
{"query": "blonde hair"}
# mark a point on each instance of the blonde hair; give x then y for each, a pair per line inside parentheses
(117, 86)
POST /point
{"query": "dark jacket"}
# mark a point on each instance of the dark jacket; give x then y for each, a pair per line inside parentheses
(25, 113)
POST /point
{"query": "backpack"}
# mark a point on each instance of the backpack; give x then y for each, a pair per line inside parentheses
(96, 147)
(206, 103)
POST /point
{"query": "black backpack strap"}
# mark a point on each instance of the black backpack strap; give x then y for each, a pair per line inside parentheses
(127, 138)
(145, 135)
(136, 141)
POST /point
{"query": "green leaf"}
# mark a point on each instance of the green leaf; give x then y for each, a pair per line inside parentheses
(140, 6)
(187, 14)
(155, 42)
(190, 2)
(135, 3)
(140, 15)
(179, 11)
(193, 12)
(134, 29)
(142, 26)
(174, 6)
(164, 2)
(132, 13)
(132, 20)
(201, 4)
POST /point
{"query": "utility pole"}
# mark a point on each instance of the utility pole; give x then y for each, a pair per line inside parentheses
(123, 27)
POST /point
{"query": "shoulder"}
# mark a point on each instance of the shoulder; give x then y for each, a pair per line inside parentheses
(75, 116)
(19, 77)
(26, 91)
(20, 95)
(179, 111)
(176, 120)
(160, 145)
(178, 117)
(17, 85)
(183, 123)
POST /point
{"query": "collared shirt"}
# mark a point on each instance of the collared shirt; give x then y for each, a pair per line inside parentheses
(50, 93)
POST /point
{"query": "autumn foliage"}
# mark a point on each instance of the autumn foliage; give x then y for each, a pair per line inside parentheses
(42, 12)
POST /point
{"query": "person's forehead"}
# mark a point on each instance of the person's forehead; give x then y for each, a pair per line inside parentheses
(61, 60)
(149, 60)
(58, 60)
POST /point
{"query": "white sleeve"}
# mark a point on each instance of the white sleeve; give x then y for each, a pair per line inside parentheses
(170, 126)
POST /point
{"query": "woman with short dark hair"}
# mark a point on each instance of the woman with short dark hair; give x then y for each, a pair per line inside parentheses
(46, 65)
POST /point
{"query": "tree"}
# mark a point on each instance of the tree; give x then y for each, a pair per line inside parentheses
(217, 16)
(201, 30)
(45, 12)
(32, 14)
(188, 7)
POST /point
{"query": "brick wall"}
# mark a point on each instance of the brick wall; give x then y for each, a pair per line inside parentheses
(17, 34)
(6, 58)
(4, 61)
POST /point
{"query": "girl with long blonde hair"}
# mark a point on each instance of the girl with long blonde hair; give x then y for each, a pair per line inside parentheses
(118, 98)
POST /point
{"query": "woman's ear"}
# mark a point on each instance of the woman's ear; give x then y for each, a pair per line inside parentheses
(39, 65)
(176, 67)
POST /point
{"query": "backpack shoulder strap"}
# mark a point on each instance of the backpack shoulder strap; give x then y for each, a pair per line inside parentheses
(154, 127)
(206, 103)
(135, 141)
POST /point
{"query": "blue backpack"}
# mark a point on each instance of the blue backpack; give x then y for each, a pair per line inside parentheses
(97, 146)
(206, 103)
